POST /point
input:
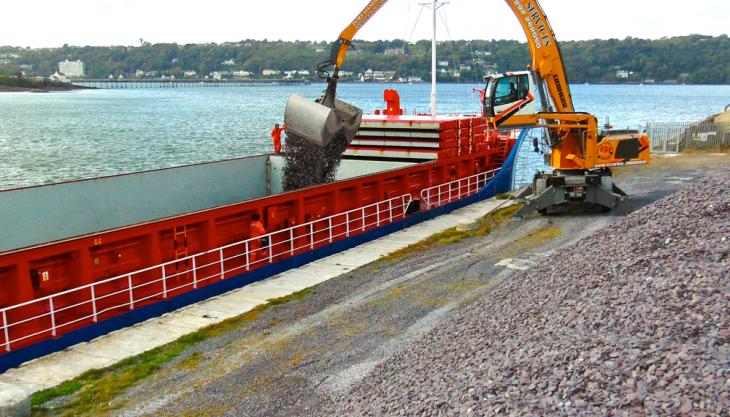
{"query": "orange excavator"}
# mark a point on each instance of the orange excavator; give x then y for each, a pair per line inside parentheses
(581, 155)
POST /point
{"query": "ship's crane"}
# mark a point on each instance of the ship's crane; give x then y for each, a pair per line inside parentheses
(581, 157)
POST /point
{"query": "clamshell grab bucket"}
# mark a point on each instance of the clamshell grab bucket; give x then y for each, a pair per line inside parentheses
(320, 124)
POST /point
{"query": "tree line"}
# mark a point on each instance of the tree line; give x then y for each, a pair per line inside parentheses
(693, 59)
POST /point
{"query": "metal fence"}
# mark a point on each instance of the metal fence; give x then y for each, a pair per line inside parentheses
(449, 192)
(59, 313)
(674, 137)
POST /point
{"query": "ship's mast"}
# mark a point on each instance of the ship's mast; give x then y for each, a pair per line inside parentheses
(435, 5)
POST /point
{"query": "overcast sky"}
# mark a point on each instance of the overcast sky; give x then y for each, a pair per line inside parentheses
(49, 23)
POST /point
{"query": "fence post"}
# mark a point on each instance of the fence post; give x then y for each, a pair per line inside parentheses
(131, 293)
(195, 274)
(5, 331)
(311, 235)
(53, 317)
(93, 304)
(164, 281)
(223, 271)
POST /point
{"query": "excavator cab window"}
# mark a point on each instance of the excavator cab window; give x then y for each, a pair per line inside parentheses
(510, 89)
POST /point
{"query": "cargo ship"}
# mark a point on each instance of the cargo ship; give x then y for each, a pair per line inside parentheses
(82, 258)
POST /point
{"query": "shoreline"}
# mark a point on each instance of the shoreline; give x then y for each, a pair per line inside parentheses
(47, 89)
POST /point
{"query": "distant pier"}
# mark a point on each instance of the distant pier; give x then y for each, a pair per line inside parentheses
(181, 83)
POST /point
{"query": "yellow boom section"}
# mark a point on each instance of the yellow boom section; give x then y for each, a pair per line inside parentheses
(350, 31)
(546, 59)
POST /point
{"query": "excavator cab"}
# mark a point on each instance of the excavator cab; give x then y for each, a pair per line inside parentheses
(510, 94)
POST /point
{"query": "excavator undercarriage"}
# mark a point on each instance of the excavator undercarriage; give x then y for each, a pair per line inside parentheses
(558, 188)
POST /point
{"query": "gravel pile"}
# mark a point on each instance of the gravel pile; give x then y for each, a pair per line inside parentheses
(307, 164)
(630, 321)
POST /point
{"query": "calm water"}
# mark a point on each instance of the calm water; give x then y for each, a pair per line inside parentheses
(54, 137)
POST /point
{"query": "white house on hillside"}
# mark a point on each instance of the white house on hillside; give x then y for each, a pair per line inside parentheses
(71, 69)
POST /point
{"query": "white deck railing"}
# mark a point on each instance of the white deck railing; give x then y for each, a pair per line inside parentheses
(93, 300)
(449, 192)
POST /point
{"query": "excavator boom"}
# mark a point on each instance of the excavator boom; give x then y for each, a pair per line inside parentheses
(547, 60)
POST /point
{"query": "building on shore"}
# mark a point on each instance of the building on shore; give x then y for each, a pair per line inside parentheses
(377, 76)
(71, 69)
(58, 77)
(241, 75)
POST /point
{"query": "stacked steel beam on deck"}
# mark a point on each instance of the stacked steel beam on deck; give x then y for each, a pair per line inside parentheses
(419, 138)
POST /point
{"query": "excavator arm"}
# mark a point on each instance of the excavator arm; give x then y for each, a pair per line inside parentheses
(342, 44)
(328, 119)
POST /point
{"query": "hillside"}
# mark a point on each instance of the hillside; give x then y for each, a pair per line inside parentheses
(693, 59)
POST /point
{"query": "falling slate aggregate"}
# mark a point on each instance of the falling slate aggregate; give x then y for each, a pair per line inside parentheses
(630, 321)
(307, 164)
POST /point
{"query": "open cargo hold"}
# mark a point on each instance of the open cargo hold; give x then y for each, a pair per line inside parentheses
(79, 259)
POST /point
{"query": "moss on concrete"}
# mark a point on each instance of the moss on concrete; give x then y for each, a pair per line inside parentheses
(450, 236)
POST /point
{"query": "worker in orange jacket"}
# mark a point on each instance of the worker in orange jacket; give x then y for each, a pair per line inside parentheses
(276, 137)
(256, 229)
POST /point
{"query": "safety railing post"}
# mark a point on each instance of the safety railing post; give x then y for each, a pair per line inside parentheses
(53, 317)
(347, 224)
(195, 274)
(362, 216)
(428, 198)
(164, 281)
(223, 271)
(271, 248)
(248, 261)
(311, 235)
(93, 304)
(131, 292)
(390, 209)
(377, 213)
(291, 241)
(5, 331)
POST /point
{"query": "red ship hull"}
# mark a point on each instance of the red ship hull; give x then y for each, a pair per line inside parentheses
(52, 291)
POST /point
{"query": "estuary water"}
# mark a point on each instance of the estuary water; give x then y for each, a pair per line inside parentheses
(46, 138)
